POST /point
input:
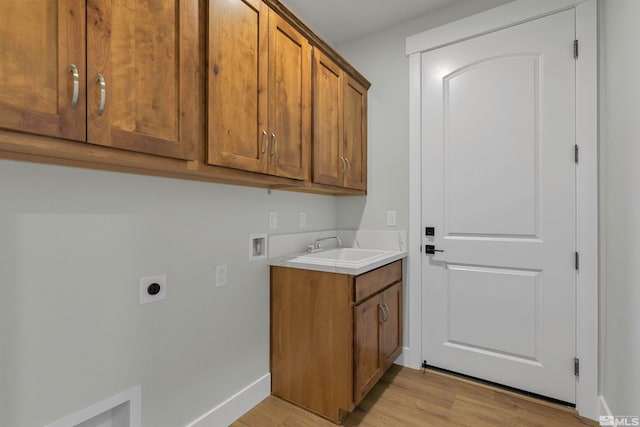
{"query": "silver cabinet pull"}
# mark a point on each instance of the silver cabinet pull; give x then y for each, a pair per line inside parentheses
(265, 141)
(348, 162)
(381, 308)
(386, 310)
(275, 144)
(103, 93)
(76, 85)
(344, 165)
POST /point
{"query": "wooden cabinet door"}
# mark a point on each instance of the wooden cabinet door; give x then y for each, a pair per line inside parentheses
(40, 41)
(355, 134)
(237, 84)
(142, 81)
(328, 165)
(289, 99)
(368, 366)
(391, 327)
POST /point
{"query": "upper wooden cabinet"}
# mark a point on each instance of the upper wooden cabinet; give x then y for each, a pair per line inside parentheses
(139, 86)
(355, 134)
(142, 76)
(135, 90)
(259, 81)
(339, 126)
(42, 67)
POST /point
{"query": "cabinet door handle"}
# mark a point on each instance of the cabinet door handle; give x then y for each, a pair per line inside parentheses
(76, 85)
(103, 93)
(386, 309)
(385, 314)
(344, 165)
(275, 144)
(348, 162)
(265, 141)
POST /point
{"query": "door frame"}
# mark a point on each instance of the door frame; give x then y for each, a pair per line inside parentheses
(587, 316)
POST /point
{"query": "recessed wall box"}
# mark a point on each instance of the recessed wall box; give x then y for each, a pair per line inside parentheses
(257, 247)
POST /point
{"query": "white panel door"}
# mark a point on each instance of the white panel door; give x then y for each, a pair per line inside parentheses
(499, 189)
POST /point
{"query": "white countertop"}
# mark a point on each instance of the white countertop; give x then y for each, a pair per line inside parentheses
(341, 267)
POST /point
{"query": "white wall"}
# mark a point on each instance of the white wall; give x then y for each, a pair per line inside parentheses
(381, 58)
(73, 245)
(620, 204)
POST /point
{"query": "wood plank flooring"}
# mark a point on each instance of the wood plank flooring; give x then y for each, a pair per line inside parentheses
(407, 397)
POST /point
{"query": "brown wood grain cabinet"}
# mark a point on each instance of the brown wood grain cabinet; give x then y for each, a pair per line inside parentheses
(142, 81)
(259, 81)
(339, 126)
(333, 335)
(213, 90)
(134, 89)
(43, 67)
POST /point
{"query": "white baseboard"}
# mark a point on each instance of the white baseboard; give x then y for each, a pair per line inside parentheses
(604, 407)
(404, 358)
(235, 406)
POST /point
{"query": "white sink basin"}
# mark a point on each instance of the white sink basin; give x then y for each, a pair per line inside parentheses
(342, 257)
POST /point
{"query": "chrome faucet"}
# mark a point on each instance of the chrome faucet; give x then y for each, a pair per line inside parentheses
(315, 246)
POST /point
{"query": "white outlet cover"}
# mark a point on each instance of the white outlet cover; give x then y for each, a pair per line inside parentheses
(273, 220)
(221, 275)
(391, 218)
(161, 280)
(302, 218)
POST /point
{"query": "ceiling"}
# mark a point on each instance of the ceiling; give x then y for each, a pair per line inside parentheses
(340, 21)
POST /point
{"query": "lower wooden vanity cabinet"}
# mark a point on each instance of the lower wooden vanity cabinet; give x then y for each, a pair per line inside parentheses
(333, 335)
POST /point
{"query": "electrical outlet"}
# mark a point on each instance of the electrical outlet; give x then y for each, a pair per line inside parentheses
(221, 275)
(302, 219)
(153, 289)
(273, 220)
(391, 218)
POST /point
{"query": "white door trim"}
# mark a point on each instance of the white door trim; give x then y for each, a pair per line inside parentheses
(505, 16)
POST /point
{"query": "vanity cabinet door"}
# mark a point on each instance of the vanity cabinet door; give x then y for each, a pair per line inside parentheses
(391, 326)
(368, 318)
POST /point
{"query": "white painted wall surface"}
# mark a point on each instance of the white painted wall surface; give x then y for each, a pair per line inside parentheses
(73, 245)
(381, 58)
(620, 204)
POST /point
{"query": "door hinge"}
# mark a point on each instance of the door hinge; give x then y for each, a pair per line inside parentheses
(577, 261)
(575, 49)
(576, 366)
(577, 153)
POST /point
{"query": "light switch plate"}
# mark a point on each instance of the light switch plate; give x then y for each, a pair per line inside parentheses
(302, 219)
(273, 220)
(391, 218)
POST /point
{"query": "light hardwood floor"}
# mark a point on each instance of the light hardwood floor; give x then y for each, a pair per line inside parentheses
(407, 397)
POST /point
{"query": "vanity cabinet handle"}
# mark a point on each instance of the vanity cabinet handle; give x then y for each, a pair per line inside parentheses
(348, 162)
(344, 165)
(385, 313)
